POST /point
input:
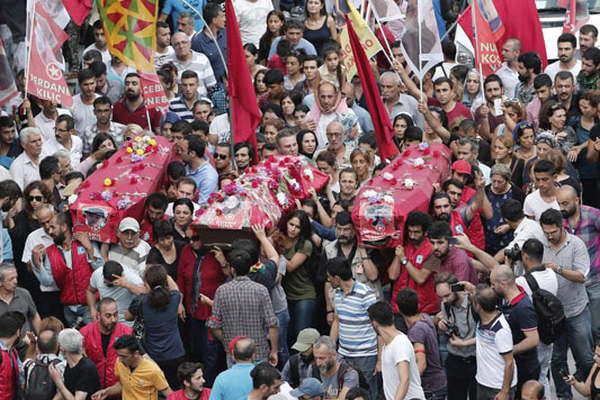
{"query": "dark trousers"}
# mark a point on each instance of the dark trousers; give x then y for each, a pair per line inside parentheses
(524, 376)
(460, 373)
(169, 367)
(206, 350)
(49, 305)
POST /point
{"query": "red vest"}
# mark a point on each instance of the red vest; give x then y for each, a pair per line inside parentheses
(73, 283)
(474, 230)
(92, 342)
(9, 374)
(428, 302)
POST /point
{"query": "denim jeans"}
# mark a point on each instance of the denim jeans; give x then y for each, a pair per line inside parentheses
(302, 314)
(593, 292)
(283, 318)
(544, 357)
(206, 350)
(367, 366)
(80, 311)
(578, 337)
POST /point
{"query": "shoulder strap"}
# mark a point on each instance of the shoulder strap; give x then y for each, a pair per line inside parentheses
(533, 285)
(341, 373)
(295, 370)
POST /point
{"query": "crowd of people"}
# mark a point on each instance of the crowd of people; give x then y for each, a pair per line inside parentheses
(485, 299)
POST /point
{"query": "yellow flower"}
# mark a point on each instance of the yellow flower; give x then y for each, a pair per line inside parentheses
(140, 152)
(107, 182)
(137, 139)
(152, 142)
(129, 150)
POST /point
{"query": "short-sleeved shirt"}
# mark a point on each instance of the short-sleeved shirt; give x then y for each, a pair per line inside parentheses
(23, 303)
(457, 113)
(492, 341)
(400, 350)
(534, 205)
(459, 264)
(331, 384)
(200, 64)
(176, 7)
(142, 383)
(83, 377)
(424, 332)
(522, 318)
(138, 116)
(298, 284)
(120, 294)
(356, 335)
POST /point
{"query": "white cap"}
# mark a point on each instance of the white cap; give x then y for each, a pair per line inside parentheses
(129, 224)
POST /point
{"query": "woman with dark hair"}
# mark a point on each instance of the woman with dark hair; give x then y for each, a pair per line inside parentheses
(102, 145)
(307, 143)
(251, 59)
(288, 104)
(166, 250)
(401, 122)
(275, 22)
(319, 28)
(524, 136)
(553, 117)
(259, 83)
(183, 214)
(157, 310)
(293, 241)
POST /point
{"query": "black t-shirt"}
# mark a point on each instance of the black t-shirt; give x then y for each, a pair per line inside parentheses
(105, 343)
(82, 378)
(521, 318)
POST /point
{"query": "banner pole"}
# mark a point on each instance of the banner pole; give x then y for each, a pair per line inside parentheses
(474, 10)
(388, 55)
(28, 34)
(419, 33)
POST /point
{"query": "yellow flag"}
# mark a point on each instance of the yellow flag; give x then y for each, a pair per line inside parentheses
(367, 39)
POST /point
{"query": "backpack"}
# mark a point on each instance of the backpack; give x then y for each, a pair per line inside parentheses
(549, 311)
(345, 367)
(38, 383)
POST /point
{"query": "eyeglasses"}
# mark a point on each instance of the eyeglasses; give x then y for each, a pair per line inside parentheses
(39, 199)
(195, 238)
(220, 156)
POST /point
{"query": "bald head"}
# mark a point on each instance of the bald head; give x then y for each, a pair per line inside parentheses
(179, 36)
(244, 350)
(487, 299)
(503, 274)
(568, 201)
(532, 390)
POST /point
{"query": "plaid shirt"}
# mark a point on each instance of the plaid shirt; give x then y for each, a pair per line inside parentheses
(243, 308)
(588, 230)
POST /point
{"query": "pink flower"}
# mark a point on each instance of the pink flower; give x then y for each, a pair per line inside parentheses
(255, 184)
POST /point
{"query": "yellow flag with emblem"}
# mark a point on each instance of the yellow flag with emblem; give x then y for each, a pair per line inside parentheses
(367, 39)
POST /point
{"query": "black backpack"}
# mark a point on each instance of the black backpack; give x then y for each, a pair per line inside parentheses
(345, 367)
(38, 383)
(549, 310)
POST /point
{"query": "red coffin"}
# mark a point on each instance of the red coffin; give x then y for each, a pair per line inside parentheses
(383, 203)
(118, 188)
(259, 196)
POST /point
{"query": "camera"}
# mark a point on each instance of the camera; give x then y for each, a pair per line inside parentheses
(513, 254)
(457, 287)
(452, 328)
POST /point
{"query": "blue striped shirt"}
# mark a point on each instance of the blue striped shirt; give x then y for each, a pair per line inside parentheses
(356, 335)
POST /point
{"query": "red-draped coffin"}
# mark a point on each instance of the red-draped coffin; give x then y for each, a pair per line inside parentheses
(383, 203)
(118, 188)
(259, 196)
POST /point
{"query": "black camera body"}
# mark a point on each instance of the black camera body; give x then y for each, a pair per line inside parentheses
(513, 254)
(452, 328)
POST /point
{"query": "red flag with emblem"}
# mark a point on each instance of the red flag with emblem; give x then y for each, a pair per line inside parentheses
(45, 78)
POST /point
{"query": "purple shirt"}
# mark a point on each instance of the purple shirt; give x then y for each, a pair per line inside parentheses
(588, 230)
(424, 332)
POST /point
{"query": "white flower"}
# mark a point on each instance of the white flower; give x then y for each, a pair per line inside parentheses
(418, 161)
(294, 184)
(72, 199)
(409, 183)
(388, 199)
(309, 174)
(282, 199)
(388, 176)
(369, 193)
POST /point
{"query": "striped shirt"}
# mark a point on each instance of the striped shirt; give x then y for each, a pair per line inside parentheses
(356, 335)
(178, 106)
(588, 230)
(200, 64)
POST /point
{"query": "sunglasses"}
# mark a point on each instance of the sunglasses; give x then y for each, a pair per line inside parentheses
(36, 198)
(220, 156)
(195, 238)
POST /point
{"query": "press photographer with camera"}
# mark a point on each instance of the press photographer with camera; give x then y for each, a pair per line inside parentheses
(523, 228)
(458, 321)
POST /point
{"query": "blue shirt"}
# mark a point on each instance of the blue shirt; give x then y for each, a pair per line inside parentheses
(176, 7)
(202, 43)
(206, 178)
(302, 44)
(235, 383)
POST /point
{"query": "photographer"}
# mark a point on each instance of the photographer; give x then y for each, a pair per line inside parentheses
(458, 322)
(532, 254)
(523, 228)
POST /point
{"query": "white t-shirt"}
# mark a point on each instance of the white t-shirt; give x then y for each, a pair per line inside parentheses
(121, 295)
(399, 350)
(554, 68)
(252, 17)
(46, 125)
(534, 205)
(220, 128)
(492, 341)
(52, 146)
(105, 53)
(162, 58)
(83, 114)
(545, 279)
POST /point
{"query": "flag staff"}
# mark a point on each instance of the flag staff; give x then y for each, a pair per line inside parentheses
(419, 34)
(29, 28)
(474, 11)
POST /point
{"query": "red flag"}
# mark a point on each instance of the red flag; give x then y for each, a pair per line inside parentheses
(245, 114)
(520, 19)
(78, 9)
(488, 28)
(577, 14)
(379, 115)
(153, 91)
(45, 78)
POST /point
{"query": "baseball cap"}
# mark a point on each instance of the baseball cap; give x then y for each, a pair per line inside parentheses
(309, 387)
(462, 167)
(306, 338)
(129, 224)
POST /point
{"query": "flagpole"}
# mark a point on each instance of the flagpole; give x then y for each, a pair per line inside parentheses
(474, 10)
(389, 55)
(210, 34)
(29, 30)
(420, 49)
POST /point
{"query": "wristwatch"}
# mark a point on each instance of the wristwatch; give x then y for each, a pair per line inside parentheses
(404, 261)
